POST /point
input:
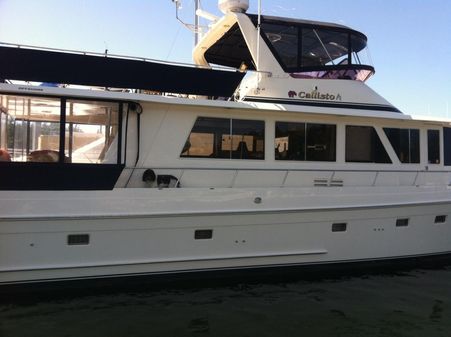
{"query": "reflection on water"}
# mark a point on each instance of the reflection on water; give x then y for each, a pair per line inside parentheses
(414, 303)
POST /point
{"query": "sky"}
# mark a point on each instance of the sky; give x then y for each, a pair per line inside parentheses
(409, 40)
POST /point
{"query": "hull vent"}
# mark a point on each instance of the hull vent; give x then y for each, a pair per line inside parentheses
(321, 182)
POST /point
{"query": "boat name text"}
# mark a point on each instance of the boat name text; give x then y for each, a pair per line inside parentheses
(315, 95)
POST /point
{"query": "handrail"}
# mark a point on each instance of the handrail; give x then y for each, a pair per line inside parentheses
(284, 169)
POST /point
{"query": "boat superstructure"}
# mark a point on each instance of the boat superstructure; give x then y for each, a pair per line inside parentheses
(287, 159)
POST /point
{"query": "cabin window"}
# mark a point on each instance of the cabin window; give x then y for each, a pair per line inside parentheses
(226, 138)
(31, 130)
(447, 145)
(305, 141)
(433, 146)
(59, 143)
(91, 132)
(406, 144)
(364, 146)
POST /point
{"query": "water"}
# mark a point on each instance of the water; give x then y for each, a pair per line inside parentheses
(412, 303)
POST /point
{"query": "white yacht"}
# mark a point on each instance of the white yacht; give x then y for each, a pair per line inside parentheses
(281, 156)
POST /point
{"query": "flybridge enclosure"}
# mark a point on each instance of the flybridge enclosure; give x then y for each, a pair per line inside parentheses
(305, 49)
(70, 68)
(231, 50)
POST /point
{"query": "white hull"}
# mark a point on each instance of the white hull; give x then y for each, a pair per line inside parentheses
(288, 227)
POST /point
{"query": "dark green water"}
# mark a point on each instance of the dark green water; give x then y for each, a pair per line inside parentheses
(413, 303)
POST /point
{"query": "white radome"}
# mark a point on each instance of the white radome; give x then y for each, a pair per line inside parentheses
(227, 6)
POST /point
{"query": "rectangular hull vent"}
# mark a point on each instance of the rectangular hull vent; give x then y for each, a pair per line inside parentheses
(321, 182)
(336, 182)
(440, 219)
(339, 227)
(402, 222)
(78, 239)
(203, 234)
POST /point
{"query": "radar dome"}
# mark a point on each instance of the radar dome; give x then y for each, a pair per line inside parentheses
(227, 6)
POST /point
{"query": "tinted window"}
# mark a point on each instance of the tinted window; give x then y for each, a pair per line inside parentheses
(321, 142)
(290, 141)
(364, 146)
(207, 137)
(301, 141)
(406, 144)
(433, 146)
(248, 139)
(226, 138)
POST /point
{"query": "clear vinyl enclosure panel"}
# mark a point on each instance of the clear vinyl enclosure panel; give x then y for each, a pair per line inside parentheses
(52, 130)
(308, 49)
(91, 130)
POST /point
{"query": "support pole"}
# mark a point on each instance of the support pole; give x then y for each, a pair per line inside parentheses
(196, 22)
(258, 33)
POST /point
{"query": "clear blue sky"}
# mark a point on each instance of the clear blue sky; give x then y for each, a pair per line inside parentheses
(409, 40)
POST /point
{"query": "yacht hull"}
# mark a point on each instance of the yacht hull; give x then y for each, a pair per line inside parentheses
(38, 248)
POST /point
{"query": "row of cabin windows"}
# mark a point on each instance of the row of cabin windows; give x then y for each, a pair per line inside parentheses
(245, 139)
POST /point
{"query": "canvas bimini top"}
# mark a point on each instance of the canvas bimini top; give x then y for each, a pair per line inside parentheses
(42, 65)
